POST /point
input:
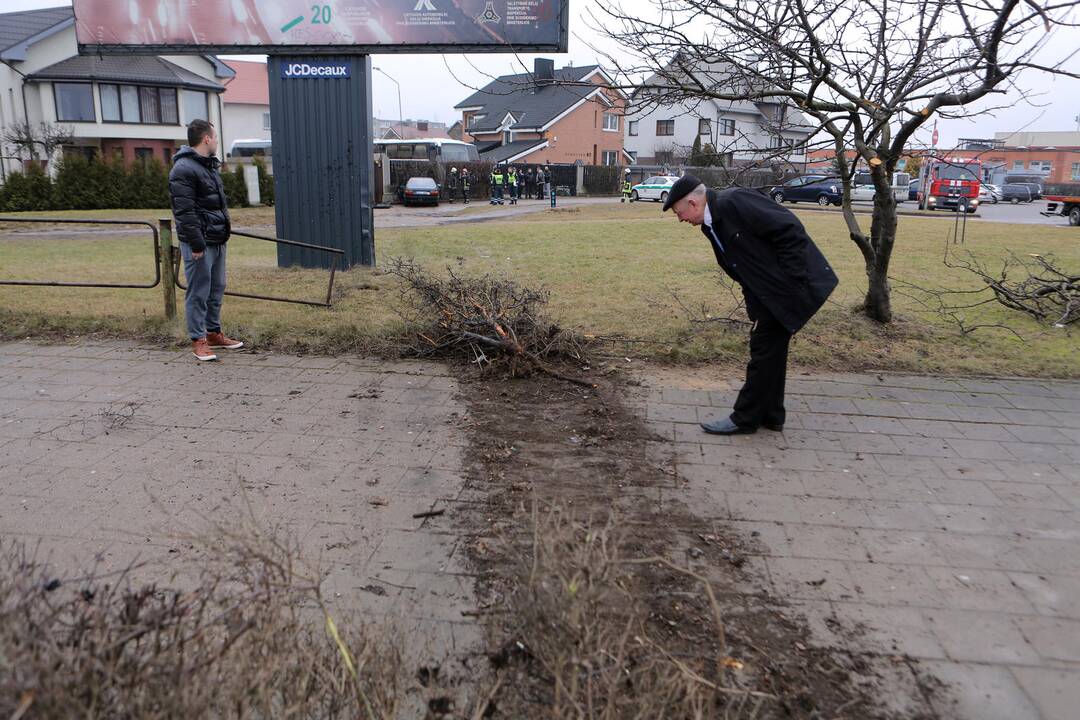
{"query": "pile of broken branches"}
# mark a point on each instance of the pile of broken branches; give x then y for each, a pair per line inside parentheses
(491, 321)
(1034, 286)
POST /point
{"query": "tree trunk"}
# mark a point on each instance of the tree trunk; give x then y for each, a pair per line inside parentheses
(878, 303)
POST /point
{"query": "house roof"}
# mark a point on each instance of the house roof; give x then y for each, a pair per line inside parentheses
(16, 28)
(250, 85)
(531, 105)
(147, 70)
(511, 151)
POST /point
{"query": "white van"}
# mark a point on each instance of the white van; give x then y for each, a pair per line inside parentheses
(862, 187)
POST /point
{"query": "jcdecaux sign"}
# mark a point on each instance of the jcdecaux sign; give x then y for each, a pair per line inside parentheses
(315, 70)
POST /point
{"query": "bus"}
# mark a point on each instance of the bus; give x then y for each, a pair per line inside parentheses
(428, 149)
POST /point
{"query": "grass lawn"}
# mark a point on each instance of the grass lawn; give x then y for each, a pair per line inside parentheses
(611, 269)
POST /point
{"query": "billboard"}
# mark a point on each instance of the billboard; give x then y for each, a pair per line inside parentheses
(333, 26)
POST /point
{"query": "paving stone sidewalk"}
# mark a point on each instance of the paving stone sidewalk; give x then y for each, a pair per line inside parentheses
(114, 451)
(942, 514)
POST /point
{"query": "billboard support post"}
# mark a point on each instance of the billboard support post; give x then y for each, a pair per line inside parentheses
(320, 120)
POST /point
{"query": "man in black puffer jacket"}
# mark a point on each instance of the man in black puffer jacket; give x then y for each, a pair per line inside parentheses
(203, 226)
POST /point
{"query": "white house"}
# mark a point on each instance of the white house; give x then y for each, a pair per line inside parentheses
(660, 132)
(246, 104)
(126, 106)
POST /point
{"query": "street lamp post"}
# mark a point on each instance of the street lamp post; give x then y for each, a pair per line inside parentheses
(400, 116)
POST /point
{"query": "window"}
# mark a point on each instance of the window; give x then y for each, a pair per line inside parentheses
(144, 154)
(1076, 171)
(633, 157)
(508, 137)
(110, 103)
(169, 113)
(704, 126)
(129, 103)
(157, 106)
(87, 151)
(665, 127)
(611, 122)
(74, 102)
(266, 121)
(1044, 165)
(775, 141)
(1018, 164)
(725, 127)
(148, 106)
(194, 106)
(166, 156)
(611, 157)
(631, 127)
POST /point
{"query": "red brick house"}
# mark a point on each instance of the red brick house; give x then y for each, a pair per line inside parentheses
(547, 116)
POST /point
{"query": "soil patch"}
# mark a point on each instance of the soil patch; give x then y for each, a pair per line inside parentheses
(538, 442)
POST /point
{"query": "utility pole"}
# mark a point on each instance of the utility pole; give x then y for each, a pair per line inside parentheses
(400, 121)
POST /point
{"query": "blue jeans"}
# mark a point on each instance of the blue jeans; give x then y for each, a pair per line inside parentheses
(205, 289)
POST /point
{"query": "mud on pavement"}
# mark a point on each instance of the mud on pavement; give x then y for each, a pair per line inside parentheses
(538, 444)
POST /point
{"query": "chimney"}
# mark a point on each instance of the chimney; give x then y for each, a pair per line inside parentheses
(544, 71)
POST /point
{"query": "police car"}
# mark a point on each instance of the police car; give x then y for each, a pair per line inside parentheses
(654, 188)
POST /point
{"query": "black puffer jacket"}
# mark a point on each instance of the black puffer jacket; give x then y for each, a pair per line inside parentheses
(198, 200)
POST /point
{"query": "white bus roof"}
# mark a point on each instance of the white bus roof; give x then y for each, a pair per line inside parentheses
(414, 141)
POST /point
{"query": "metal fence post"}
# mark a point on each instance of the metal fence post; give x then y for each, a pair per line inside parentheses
(168, 279)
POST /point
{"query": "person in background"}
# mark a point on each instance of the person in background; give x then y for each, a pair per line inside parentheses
(465, 185)
(521, 184)
(511, 184)
(203, 226)
(497, 185)
(452, 185)
(627, 187)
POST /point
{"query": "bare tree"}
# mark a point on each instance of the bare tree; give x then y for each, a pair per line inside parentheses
(47, 136)
(864, 74)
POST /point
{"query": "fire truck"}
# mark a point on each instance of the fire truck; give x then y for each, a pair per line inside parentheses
(951, 183)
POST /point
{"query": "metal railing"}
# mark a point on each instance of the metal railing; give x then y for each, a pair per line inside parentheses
(92, 221)
(337, 254)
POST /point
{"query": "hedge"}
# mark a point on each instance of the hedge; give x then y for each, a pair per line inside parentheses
(82, 184)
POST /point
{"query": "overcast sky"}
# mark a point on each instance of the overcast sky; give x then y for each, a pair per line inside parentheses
(432, 84)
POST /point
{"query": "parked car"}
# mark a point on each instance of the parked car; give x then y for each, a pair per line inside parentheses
(1036, 189)
(827, 191)
(654, 188)
(420, 191)
(794, 183)
(989, 193)
(913, 189)
(1016, 193)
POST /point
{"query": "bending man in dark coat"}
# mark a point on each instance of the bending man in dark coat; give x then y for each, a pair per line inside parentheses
(784, 277)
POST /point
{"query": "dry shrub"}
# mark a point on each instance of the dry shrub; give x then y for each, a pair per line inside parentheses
(584, 646)
(249, 637)
(488, 320)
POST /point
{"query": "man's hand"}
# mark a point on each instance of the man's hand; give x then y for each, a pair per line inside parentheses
(196, 255)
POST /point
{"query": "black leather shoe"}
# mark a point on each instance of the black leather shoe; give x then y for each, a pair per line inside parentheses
(773, 426)
(725, 426)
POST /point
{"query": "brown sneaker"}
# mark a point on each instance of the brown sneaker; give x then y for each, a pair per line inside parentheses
(201, 350)
(219, 340)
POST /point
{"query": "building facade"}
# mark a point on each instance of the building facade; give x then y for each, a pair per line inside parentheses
(1053, 157)
(570, 115)
(126, 107)
(246, 105)
(663, 127)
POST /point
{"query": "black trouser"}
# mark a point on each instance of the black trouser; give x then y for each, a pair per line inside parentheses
(761, 400)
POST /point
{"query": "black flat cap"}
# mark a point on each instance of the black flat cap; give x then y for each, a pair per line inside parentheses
(682, 187)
